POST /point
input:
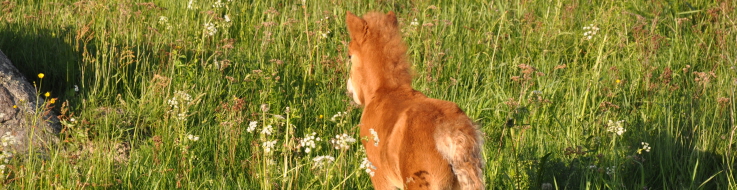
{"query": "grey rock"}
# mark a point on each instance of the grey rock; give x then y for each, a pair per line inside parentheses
(23, 118)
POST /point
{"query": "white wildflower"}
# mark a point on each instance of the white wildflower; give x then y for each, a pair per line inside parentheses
(76, 88)
(342, 141)
(191, 5)
(309, 142)
(414, 22)
(269, 145)
(193, 137)
(184, 96)
(267, 130)
(210, 29)
(616, 127)
(178, 103)
(218, 4)
(227, 18)
(591, 30)
(163, 20)
(338, 116)
(7, 140)
(645, 147)
(252, 126)
(376, 136)
(321, 161)
(324, 34)
(368, 166)
(611, 170)
(182, 116)
(326, 18)
(173, 103)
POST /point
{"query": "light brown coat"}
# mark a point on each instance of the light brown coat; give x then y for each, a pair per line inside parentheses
(414, 142)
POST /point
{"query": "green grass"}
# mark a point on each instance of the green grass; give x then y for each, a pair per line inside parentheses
(541, 91)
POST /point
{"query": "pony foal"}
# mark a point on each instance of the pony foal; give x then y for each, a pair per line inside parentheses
(411, 141)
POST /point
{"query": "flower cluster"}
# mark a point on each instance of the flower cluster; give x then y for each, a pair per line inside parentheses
(193, 137)
(309, 142)
(163, 20)
(414, 22)
(376, 136)
(645, 147)
(178, 103)
(590, 31)
(321, 161)
(267, 130)
(616, 127)
(218, 4)
(269, 145)
(210, 29)
(191, 4)
(252, 126)
(368, 166)
(611, 170)
(7, 140)
(337, 116)
(324, 35)
(342, 141)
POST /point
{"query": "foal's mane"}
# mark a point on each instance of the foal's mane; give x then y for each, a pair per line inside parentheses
(383, 35)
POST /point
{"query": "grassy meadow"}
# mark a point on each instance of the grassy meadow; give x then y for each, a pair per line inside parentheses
(242, 94)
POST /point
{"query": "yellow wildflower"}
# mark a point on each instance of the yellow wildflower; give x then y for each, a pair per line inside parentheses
(40, 75)
(47, 94)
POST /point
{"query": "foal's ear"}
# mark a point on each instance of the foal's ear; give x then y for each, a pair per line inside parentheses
(392, 19)
(356, 26)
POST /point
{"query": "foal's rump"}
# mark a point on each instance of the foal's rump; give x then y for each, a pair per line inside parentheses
(440, 135)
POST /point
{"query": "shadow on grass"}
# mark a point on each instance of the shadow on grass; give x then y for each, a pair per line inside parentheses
(671, 164)
(34, 50)
(55, 52)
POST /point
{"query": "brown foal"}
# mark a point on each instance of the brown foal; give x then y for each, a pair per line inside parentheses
(413, 142)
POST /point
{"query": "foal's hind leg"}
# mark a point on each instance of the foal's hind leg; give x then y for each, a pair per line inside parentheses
(381, 182)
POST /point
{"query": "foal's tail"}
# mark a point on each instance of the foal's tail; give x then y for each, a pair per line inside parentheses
(460, 144)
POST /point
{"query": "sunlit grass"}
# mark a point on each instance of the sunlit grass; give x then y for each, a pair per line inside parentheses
(222, 94)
